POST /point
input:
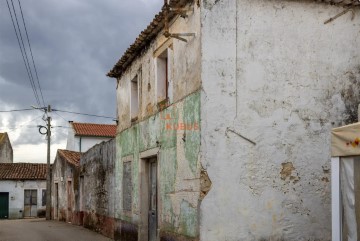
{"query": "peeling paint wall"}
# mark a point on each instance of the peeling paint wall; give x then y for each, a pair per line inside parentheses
(97, 188)
(275, 80)
(173, 129)
(179, 170)
(62, 174)
(185, 62)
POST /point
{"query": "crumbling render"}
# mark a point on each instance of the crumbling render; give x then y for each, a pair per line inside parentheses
(205, 183)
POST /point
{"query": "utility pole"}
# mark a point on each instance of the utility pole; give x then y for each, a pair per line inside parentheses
(48, 177)
(48, 170)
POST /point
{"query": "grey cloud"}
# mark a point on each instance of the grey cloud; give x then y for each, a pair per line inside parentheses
(75, 43)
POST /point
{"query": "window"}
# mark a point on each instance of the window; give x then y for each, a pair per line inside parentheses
(127, 186)
(134, 101)
(43, 198)
(162, 76)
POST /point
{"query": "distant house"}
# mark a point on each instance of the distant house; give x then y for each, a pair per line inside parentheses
(83, 136)
(6, 151)
(22, 190)
(65, 186)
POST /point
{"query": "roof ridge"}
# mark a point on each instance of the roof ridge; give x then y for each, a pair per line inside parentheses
(88, 123)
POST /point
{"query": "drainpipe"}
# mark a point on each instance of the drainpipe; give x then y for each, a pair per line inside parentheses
(80, 144)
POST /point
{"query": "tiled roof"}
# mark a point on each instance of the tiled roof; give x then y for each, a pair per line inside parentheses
(90, 129)
(72, 157)
(144, 39)
(22, 171)
(157, 24)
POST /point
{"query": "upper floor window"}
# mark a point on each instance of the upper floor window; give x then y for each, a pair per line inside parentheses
(134, 97)
(162, 76)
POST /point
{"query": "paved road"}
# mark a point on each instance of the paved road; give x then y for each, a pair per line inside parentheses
(42, 230)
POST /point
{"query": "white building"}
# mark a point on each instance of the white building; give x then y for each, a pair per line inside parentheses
(22, 190)
(226, 111)
(83, 136)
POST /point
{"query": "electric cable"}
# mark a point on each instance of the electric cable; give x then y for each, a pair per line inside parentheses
(32, 57)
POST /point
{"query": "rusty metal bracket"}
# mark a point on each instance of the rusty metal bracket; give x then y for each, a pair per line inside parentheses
(183, 13)
(340, 14)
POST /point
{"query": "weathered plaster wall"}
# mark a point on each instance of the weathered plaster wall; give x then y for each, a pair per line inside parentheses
(6, 151)
(62, 173)
(178, 170)
(185, 63)
(275, 81)
(16, 195)
(98, 190)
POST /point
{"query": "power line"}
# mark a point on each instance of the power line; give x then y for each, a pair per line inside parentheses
(5, 111)
(23, 52)
(60, 116)
(32, 57)
(77, 113)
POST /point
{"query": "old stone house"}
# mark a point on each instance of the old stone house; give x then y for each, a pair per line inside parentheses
(65, 187)
(83, 136)
(225, 109)
(6, 151)
(22, 190)
(83, 187)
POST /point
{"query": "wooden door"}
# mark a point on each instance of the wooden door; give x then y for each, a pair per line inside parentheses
(30, 203)
(153, 200)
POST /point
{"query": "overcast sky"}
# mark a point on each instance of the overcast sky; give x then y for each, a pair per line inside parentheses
(75, 43)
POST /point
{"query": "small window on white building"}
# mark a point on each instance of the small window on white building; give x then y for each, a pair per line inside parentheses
(162, 76)
(134, 98)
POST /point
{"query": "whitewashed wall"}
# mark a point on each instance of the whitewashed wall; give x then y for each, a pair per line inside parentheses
(16, 195)
(275, 79)
(73, 142)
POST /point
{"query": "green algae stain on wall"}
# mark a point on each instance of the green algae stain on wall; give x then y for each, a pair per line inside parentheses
(192, 135)
(179, 148)
(188, 219)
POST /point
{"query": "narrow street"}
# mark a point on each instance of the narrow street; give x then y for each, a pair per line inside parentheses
(42, 230)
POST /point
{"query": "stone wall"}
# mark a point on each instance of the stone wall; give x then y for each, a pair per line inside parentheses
(97, 190)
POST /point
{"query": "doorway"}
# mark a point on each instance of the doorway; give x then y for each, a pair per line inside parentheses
(152, 216)
(149, 205)
(56, 211)
(4, 205)
(30, 203)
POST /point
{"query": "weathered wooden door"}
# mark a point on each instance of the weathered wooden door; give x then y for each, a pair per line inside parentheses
(4, 205)
(30, 203)
(153, 200)
(56, 211)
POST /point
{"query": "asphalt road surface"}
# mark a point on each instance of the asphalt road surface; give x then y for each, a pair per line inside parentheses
(42, 230)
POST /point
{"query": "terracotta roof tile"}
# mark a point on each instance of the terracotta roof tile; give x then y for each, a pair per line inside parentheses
(22, 171)
(90, 129)
(71, 157)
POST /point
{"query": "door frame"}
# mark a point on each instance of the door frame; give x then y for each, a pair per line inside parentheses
(144, 192)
